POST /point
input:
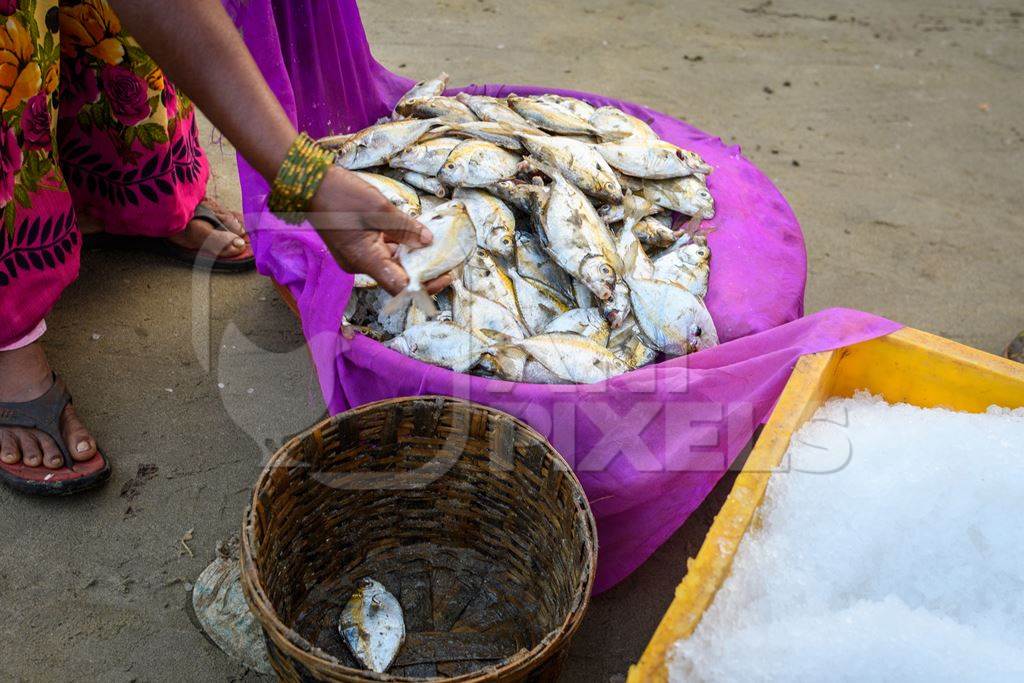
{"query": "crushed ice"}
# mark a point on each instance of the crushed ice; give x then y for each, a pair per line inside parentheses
(891, 549)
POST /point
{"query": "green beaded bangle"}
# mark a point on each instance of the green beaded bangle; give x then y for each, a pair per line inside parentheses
(299, 178)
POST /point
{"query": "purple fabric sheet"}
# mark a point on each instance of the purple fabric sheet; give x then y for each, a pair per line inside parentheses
(648, 446)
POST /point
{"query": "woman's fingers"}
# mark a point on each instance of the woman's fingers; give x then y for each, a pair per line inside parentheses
(437, 284)
(373, 257)
(400, 228)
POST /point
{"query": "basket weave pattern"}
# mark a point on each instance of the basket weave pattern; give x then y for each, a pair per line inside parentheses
(465, 514)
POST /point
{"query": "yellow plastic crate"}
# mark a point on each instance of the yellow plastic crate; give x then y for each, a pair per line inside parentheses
(908, 366)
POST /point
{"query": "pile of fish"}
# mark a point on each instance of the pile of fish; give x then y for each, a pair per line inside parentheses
(573, 232)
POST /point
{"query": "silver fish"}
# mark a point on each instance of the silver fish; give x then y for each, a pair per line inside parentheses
(586, 322)
(576, 106)
(494, 222)
(689, 196)
(578, 162)
(646, 158)
(669, 317)
(441, 343)
(483, 275)
(334, 141)
(372, 626)
(437, 106)
(502, 134)
(654, 233)
(454, 241)
(633, 204)
(519, 194)
(476, 163)
(373, 146)
(426, 183)
(474, 312)
(613, 124)
(492, 109)
(550, 116)
(573, 358)
(576, 237)
(398, 193)
(688, 265)
(430, 88)
(425, 157)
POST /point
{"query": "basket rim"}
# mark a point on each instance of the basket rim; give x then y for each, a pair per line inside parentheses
(297, 647)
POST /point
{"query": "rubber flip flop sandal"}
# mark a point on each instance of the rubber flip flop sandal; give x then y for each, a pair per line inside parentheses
(44, 414)
(243, 261)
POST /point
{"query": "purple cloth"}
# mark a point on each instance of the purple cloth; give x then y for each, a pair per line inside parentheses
(648, 446)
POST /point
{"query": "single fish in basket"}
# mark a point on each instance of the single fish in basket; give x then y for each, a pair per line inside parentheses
(373, 146)
(550, 116)
(477, 163)
(445, 108)
(492, 109)
(614, 124)
(429, 88)
(454, 241)
(372, 626)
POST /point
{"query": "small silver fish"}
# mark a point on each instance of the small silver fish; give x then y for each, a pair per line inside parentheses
(669, 318)
(586, 322)
(579, 163)
(494, 222)
(476, 163)
(550, 116)
(398, 193)
(454, 241)
(426, 183)
(687, 265)
(429, 88)
(502, 134)
(437, 106)
(373, 146)
(573, 358)
(425, 157)
(689, 196)
(492, 109)
(441, 343)
(576, 106)
(646, 158)
(372, 625)
(576, 237)
(613, 124)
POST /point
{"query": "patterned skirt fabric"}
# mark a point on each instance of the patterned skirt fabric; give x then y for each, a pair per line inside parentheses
(89, 125)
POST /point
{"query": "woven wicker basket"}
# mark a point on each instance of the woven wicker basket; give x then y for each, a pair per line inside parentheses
(465, 514)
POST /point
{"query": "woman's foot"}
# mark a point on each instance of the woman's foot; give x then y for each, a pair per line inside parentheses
(25, 375)
(200, 235)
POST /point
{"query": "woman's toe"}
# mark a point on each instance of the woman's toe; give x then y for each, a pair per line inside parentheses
(31, 451)
(52, 459)
(79, 441)
(10, 452)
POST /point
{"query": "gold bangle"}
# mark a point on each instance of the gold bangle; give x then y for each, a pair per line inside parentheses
(299, 178)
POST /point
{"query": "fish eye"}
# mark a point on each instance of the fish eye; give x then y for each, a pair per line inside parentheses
(697, 331)
(606, 270)
(449, 165)
(704, 194)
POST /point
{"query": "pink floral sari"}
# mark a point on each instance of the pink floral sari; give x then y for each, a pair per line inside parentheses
(89, 125)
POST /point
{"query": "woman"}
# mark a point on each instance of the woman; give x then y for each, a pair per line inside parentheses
(75, 87)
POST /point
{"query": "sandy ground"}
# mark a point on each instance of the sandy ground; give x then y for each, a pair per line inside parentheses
(894, 129)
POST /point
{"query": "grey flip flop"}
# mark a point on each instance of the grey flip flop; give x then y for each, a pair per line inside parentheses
(44, 414)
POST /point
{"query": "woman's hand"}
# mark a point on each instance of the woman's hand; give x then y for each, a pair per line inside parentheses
(362, 229)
